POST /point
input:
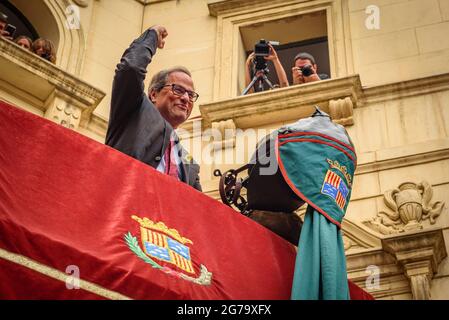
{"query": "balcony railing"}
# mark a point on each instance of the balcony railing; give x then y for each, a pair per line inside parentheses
(337, 97)
(44, 88)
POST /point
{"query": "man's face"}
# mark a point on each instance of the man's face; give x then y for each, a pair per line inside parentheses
(299, 63)
(2, 25)
(174, 108)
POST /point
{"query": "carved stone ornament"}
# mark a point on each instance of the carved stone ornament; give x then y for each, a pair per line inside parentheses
(81, 3)
(67, 116)
(225, 133)
(410, 205)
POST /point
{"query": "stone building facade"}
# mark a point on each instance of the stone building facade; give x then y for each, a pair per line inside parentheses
(389, 66)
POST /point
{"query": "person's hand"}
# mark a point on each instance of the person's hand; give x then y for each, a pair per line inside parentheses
(272, 55)
(5, 34)
(312, 78)
(250, 58)
(298, 77)
(161, 35)
(259, 73)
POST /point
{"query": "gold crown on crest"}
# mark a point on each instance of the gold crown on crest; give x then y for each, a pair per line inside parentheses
(160, 226)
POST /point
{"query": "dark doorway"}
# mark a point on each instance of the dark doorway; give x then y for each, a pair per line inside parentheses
(17, 19)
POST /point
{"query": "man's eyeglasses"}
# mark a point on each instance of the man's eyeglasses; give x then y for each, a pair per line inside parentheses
(180, 91)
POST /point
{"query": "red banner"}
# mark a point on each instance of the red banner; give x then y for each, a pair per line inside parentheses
(70, 206)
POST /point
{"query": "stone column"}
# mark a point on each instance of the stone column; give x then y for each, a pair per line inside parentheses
(420, 274)
(419, 254)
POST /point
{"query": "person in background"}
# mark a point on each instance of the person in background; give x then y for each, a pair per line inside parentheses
(25, 42)
(3, 24)
(305, 69)
(273, 57)
(45, 49)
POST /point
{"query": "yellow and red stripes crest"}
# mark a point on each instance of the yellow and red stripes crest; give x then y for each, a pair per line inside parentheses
(160, 240)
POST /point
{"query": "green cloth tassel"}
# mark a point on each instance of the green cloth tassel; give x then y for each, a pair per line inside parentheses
(320, 268)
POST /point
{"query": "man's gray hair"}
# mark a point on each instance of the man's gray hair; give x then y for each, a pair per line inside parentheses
(160, 79)
(305, 56)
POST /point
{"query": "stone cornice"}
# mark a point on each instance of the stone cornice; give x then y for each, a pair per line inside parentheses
(411, 247)
(400, 90)
(63, 80)
(147, 2)
(386, 159)
(361, 239)
(392, 280)
(82, 3)
(419, 255)
(47, 79)
(337, 97)
(220, 7)
(401, 265)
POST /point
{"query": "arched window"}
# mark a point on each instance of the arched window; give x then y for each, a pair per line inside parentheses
(48, 19)
(17, 19)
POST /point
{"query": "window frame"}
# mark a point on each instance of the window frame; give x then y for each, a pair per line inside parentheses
(231, 15)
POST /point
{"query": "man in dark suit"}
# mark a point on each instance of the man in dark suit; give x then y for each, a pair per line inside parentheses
(142, 126)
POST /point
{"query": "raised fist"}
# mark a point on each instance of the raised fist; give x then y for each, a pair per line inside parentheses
(161, 34)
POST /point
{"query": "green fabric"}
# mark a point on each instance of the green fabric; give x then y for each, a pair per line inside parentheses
(320, 269)
(322, 139)
(306, 166)
(320, 170)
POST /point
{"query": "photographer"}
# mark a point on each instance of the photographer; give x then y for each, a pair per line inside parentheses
(3, 24)
(45, 49)
(282, 76)
(305, 69)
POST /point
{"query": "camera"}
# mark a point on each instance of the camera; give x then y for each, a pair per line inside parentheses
(261, 50)
(307, 70)
(46, 56)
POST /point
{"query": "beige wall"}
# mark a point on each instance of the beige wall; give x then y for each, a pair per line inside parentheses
(190, 42)
(110, 27)
(412, 40)
(400, 138)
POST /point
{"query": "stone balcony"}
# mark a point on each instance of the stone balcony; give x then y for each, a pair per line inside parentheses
(337, 97)
(41, 87)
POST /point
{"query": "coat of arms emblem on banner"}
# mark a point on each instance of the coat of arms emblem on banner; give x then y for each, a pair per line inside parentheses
(160, 243)
(334, 186)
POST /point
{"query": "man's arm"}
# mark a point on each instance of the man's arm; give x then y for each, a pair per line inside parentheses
(282, 76)
(249, 62)
(5, 34)
(297, 76)
(128, 85)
